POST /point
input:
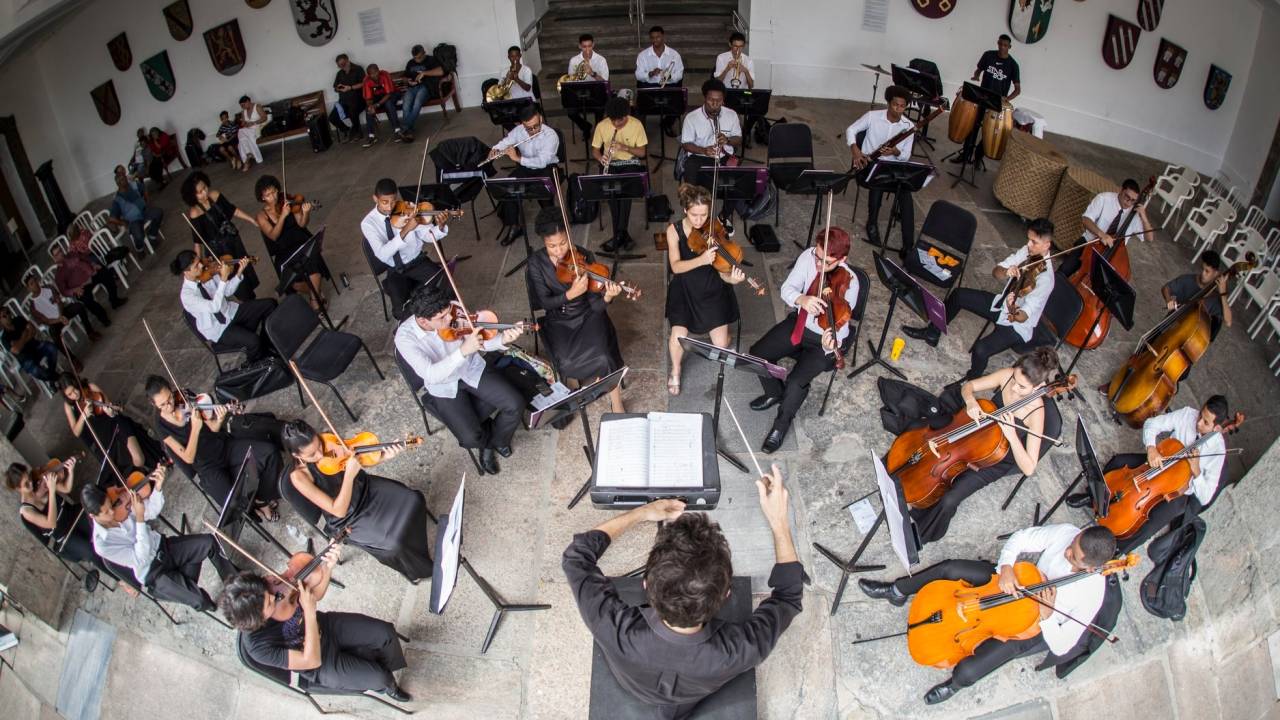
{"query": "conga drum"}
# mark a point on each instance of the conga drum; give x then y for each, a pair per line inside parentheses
(995, 131)
(1077, 188)
(964, 115)
(1029, 175)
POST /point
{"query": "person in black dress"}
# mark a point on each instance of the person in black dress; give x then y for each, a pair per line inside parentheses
(577, 329)
(215, 453)
(699, 299)
(211, 214)
(283, 233)
(47, 513)
(386, 518)
(127, 442)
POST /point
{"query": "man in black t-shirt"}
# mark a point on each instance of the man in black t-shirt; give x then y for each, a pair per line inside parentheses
(39, 358)
(999, 73)
(1181, 289)
(348, 83)
(422, 74)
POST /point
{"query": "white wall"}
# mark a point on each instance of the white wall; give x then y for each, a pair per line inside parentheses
(1255, 126)
(819, 51)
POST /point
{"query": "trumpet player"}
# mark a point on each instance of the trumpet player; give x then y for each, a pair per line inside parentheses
(660, 66)
(518, 75)
(736, 70)
(533, 146)
(619, 142)
(587, 65)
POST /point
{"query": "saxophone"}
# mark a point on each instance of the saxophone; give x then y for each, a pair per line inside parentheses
(580, 72)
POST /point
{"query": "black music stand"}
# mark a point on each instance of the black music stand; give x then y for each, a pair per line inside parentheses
(894, 176)
(576, 402)
(748, 104)
(724, 357)
(506, 113)
(237, 510)
(661, 101)
(818, 183)
(1115, 293)
(986, 100)
(925, 89)
(1090, 473)
(518, 190)
(290, 272)
(623, 187)
(582, 97)
(737, 184)
(917, 297)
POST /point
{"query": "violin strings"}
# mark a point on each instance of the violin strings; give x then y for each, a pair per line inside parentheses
(219, 534)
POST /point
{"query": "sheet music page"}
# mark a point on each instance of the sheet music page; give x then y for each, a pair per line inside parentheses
(675, 449)
(622, 460)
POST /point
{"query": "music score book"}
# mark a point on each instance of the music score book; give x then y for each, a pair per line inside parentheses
(657, 450)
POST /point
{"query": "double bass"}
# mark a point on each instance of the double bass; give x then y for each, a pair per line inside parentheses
(1091, 328)
(1148, 380)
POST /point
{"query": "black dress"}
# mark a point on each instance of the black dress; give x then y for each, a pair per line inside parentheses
(219, 456)
(292, 237)
(700, 299)
(114, 432)
(73, 531)
(579, 333)
(387, 519)
(216, 227)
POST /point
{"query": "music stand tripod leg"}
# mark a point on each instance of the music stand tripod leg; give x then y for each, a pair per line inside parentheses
(876, 350)
(500, 608)
(1040, 520)
(851, 566)
(715, 415)
(524, 235)
(813, 220)
(590, 451)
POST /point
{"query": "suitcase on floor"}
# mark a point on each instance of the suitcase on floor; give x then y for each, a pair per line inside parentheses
(318, 131)
(764, 239)
(252, 380)
(657, 208)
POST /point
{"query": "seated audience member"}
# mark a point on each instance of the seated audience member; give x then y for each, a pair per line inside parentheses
(144, 160)
(38, 358)
(47, 307)
(228, 146)
(165, 147)
(195, 148)
(380, 95)
(349, 84)
(129, 209)
(78, 272)
(423, 74)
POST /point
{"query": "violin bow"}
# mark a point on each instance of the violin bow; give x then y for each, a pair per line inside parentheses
(307, 389)
(200, 237)
(993, 418)
(1110, 637)
(106, 456)
(564, 215)
(417, 191)
(743, 435)
(448, 274)
(177, 388)
(826, 240)
(219, 534)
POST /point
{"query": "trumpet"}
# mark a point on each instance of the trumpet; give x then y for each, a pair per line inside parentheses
(666, 76)
(502, 90)
(580, 73)
(736, 80)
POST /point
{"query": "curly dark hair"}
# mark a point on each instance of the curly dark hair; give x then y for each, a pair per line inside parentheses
(689, 571)
(241, 601)
(195, 177)
(264, 183)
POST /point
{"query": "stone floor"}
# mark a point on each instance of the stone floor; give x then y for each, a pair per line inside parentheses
(1214, 664)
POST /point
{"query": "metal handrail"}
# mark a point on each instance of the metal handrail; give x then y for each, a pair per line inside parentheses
(740, 24)
(530, 34)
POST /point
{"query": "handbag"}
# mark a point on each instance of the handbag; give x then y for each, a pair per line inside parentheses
(251, 380)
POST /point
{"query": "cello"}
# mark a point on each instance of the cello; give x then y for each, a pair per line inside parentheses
(1091, 328)
(1148, 380)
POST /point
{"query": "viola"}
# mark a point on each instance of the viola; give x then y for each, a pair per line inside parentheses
(366, 446)
(728, 252)
(1026, 280)
(926, 461)
(424, 211)
(949, 619)
(574, 265)
(119, 497)
(57, 467)
(838, 312)
(301, 564)
(484, 322)
(1136, 491)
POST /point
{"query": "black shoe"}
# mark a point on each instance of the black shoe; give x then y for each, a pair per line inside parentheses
(882, 591)
(873, 233)
(488, 461)
(928, 334)
(610, 245)
(504, 451)
(512, 237)
(764, 402)
(728, 227)
(941, 692)
(397, 693)
(624, 242)
(1079, 500)
(773, 440)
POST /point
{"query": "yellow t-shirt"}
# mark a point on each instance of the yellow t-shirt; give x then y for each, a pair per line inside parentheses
(632, 135)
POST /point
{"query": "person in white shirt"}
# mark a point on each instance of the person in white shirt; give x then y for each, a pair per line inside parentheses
(799, 337)
(168, 567)
(660, 66)
(737, 71)
(399, 243)
(218, 317)
(710, 131)
(1103, 219)
(1016, 317)
(1060, 551)
(593, 66)
(47, 307)
(877, 128)
(537, 152)
(520, 75)
(460, 388)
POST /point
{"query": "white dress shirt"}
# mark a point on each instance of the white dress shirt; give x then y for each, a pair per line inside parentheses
(598, 64)
(1182, 425)
(1103, 209)
(649, 60)
(440, 365)
(536, 154)
(880, 131)
(525, 75)
(406, 247)
(205, 310)
(699, 130)
(726, 57)
(44, 304)
(1080, 599)
(1032, 303)
(798, 282)
(132, 544)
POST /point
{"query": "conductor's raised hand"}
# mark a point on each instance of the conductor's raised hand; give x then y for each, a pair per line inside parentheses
(773, 497)
(662, 510)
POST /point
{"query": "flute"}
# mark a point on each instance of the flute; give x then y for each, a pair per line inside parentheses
(495, 157)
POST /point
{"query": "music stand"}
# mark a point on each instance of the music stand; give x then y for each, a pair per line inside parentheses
(894, 176)
(724, 357)
(290, 272)
(582, 97)
(986, 100)
(661, 101)
(506, 113)
(733, 183)
(748, 103)
(518, 190)
(917, 297)
(623, 187)
(818, 183)
(1090, 473)
(924, 88)
(237, 509)
(1115, 294)
(576, 402)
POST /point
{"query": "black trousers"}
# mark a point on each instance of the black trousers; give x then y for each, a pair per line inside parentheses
(217, 480)
(360, 653)
(906, 213)
(667, 122)
(811, 361)
(1001, 337)
(620, 210)
(1160, 516)
(353, 118)
(175, 572)
(401, 281)
(246, 329)
(107, 279)
(580, 120)
(990, 655)
(933, 522)
(465, 413)
(510, 211)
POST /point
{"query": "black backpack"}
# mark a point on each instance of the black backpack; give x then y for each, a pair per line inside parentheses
(581, 211)
(447, 56)
(1164, 590)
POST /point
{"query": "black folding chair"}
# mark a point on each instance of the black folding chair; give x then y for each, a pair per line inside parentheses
(327, 356)
(855, 325)
(415, 384)
(297, 684)
(377, 268)
(216, 349)
(1052, 428)
(789, 141)
(950, 229)
(1063, 309)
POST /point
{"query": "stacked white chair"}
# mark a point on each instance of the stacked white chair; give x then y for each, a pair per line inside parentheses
(1208, 221)
(1262, 290)
(1247, 240)
(1175, 187)
(100, 244)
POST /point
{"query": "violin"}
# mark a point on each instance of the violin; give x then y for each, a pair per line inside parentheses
(424, 211)
(119, 497)
(574, 265)
(57, 467)
(1148, 380)
(484, 322)
(366, 446)
(838, 312)
(185, 403)
(1135, 491)
(728, 252)
(949, 619)
(295, 201)
(285, 585)
(95, 402)
(1026, 280)
(211, 266)
(927, 460)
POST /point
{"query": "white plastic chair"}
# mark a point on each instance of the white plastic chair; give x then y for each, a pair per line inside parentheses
(118, 233)
(100, 244)
(1255, 218)
(1246, 240)
(1261, 290)
(1208, 221)
(84, 220)
(75, 328)
(58, 242)
(12, 372)
(1174, 188)
(1217, 188)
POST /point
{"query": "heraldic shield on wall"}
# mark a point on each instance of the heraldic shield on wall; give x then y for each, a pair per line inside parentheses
(178, 17)
(934, 9)
(1149, 12)
(107, 102)
(317, 20)
(1215, 87)
(1169, 62)
(1029, 19)
(121, 55)
(1120, 42)
(159, 75)
(226, 47)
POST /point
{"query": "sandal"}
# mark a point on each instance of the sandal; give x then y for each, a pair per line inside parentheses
(673, 385)
(267, 512)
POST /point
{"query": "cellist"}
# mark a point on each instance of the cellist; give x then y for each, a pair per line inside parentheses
(1181, 289)
(1062, 550)
(1108, 210)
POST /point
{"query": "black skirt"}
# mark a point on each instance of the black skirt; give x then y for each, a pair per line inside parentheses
(386, 519)
(578, 332)
(700, 299)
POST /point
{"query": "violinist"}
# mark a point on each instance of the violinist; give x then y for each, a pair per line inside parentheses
(877, 128)
(85, 404)
(399, 242)
(209, 291)
(460, 388)
(284, 230)
(710, 132)
(1061, 550)
(1179, 291)
(799, 335)
(1108, 210)
(1186, 426)
(579, 334)
(386, 518)
(620, 145)
(1016, 314)
(342, 651)
(48, 513)
(198, 438)
(168, 567)
(211, 214)
(534, 146)
(699, 299)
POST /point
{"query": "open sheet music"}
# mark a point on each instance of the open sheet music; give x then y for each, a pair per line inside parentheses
(658, 450)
